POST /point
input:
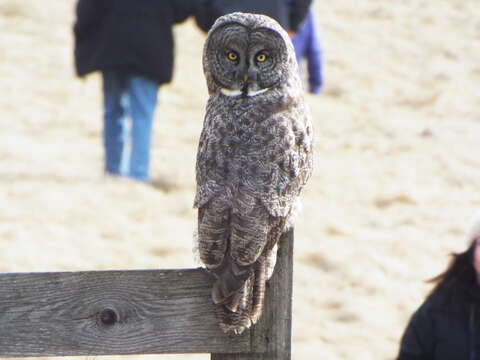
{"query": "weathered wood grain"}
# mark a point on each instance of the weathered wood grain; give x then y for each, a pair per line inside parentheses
(137, 312)
(271, 336)
(110, 313)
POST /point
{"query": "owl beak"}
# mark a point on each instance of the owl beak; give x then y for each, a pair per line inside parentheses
(245, 85)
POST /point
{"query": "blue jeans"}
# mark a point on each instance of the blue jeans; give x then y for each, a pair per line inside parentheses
(129, 104)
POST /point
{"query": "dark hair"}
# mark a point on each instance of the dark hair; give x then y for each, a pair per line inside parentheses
(459, 273)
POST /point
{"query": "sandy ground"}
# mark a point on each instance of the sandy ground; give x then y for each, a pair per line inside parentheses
(397, 164)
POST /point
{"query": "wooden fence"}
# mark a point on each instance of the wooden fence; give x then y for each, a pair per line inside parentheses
(137, 312)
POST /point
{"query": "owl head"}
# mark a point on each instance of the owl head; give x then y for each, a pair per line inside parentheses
(248, 55)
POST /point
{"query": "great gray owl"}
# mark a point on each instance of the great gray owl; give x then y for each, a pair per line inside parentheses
(254, 157)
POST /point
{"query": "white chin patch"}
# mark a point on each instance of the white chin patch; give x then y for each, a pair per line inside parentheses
(234, 93)
(258, 92)
(228, 92)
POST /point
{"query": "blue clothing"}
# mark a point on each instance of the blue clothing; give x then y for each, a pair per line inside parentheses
(128, 100)
(307, 45)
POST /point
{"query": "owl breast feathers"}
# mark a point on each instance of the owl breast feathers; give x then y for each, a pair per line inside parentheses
(254, 157)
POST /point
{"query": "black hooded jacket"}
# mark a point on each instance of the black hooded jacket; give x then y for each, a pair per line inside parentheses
(289, 14)
(445, 327)
(132, 34)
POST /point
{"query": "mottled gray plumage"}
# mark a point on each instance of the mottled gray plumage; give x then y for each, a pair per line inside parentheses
(254, 157)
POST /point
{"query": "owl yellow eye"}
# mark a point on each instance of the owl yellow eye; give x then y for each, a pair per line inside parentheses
(262, 57)
(232, 55)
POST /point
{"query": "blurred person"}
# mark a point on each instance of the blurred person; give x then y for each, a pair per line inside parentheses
(289, 14)
(447, 325)
(306, 42)
(131, 43)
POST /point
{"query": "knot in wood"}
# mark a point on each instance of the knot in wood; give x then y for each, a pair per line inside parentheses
(108, 317)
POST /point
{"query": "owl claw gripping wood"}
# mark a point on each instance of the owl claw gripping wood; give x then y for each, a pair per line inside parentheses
(254, 157)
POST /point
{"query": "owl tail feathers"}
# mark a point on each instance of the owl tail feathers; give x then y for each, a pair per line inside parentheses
(230, 280)
(243, 306)
(223, 293)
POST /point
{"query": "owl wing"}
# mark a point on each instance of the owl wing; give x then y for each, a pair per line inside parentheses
(233, 241)
(233, 231)
(212, 195)
(208, 180)
(288, 164)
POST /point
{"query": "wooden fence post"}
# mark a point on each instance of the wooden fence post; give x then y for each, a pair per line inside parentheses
(270, 338)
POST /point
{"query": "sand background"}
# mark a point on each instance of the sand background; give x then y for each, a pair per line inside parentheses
(397, 164)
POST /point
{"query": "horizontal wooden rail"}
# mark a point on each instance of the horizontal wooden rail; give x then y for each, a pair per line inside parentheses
(110, 312)
(135, 312)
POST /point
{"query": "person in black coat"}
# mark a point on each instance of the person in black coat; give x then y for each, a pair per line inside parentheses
(288, 14)
(447, 325)
(131, 43)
